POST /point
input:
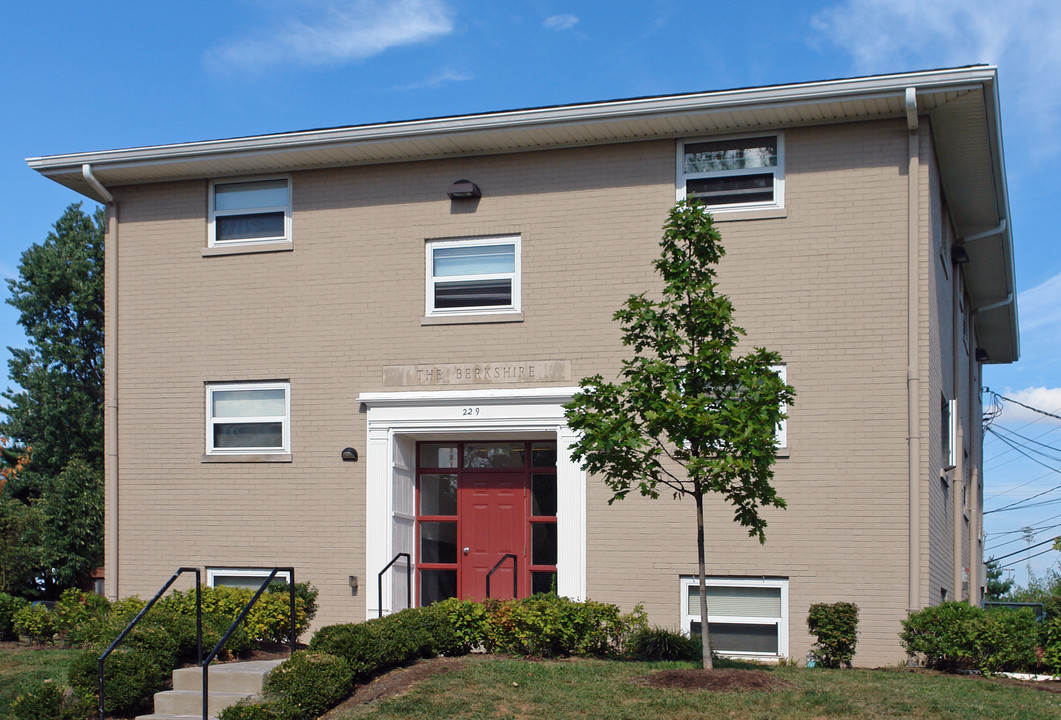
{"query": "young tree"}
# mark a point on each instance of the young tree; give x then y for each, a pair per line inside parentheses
(688, 413)
(996, 586)
(55, 417)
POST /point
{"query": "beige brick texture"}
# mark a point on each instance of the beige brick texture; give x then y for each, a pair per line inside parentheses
(825, 286)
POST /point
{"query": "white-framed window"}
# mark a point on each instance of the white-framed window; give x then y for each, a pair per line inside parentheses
(747, 617)
(251, 578)
(742, 173)
(473, 276)
(250, 211)
(244, 418)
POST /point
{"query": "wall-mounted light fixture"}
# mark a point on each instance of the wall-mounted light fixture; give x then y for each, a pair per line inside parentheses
(464, 190)
(981, 355)
(349, 454)
(958, 256)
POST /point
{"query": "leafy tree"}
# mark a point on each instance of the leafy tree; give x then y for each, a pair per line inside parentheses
(55, 419)
(996, 586)
(688, 414)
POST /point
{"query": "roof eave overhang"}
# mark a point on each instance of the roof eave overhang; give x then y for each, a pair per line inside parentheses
(955, 100)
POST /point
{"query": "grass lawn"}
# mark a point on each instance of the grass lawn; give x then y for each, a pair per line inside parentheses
(508, 688)
(20, 664)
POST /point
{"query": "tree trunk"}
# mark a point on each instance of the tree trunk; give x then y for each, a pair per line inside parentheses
(705, 637)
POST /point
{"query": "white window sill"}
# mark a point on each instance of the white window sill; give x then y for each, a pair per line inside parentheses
(508, 317)
(247, 458)
(750, 214)
(782, 453)
(262, 247)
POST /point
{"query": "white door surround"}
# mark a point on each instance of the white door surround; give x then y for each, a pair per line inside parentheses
(397, 420)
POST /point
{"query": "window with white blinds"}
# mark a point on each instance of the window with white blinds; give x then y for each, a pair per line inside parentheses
(746, 616)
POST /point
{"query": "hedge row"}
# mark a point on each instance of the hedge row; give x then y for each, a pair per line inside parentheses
(164, 639)
(339, 656)
(955, 636)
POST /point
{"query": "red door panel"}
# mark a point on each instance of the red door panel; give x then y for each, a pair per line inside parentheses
(493, 522)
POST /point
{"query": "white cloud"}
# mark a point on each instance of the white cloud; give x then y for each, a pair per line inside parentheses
(328, 32)
(1040, 307)
(1042, 398)
(439, 78)
(1023, 37)
(560, 22)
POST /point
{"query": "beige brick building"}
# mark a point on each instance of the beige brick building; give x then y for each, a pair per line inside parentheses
(274, 300)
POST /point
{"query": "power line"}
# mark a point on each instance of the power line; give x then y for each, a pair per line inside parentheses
(999, 428)
(1016, 487)
(1027, 407)
(1025, 559)
(1010, 542)
(1018, 552)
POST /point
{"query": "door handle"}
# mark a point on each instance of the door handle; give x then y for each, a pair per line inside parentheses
(466, 551)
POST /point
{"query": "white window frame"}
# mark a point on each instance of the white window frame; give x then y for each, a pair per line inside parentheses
(215, 213)
(514, 276)
(951, 431)
(778, 172)
(257, 573)
(781, 432)
(693, 614)
(285, 419)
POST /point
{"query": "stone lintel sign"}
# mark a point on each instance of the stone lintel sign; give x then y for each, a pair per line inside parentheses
(489, 373)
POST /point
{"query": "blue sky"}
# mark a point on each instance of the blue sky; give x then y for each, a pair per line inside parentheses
(92, 76)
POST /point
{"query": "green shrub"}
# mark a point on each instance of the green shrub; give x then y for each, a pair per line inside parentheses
(9, 605)
(955, 636)
(267, 621)
(835, 625)
(131, 678)
(303, 591)
(35, 622)
(76, 609)
(47, 700)
(468, 619)
(550, 626)
(309, 684)
(445, 637)
(1052, 646)
(653, 644)
(374, 646)
(253, 710)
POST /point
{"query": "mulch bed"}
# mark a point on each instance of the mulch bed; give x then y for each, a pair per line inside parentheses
(719, 680)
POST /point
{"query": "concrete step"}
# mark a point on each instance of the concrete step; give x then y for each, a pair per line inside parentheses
(229, 683)
(190, 702)
(245, 677)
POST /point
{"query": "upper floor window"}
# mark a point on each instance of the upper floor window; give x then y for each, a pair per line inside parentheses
(733, 174)
(248, 418)
(473, 276)
(250, 211)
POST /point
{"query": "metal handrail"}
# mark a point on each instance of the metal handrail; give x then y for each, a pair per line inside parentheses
(408, 581)
(515, 574)
(139, 615)
(235, 623)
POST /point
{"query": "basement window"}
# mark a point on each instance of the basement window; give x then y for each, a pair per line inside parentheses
(747, 617)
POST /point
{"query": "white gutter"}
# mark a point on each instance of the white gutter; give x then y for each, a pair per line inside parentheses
(86, 172)
(987, 233)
